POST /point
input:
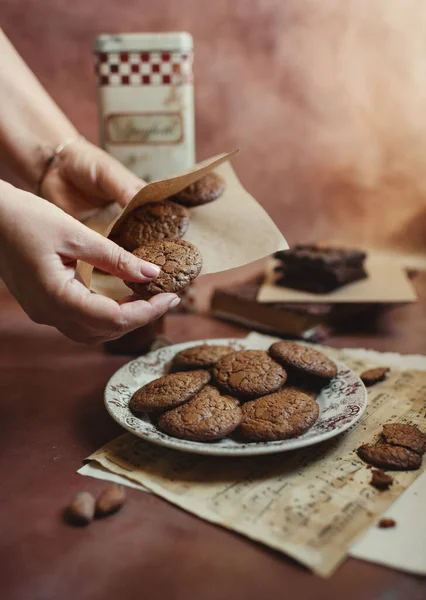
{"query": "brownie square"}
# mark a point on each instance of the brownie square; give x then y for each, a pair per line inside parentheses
(319, 269)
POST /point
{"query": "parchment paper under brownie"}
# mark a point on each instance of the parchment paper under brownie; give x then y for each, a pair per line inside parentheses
(168, 391)
(247, 374)
(319, 269)
(154, 221)
(209, 416)
(180, 263)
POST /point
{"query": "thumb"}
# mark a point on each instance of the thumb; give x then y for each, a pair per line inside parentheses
(117, 182)
(98, 251)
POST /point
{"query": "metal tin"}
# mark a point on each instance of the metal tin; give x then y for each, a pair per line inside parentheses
(146, 101)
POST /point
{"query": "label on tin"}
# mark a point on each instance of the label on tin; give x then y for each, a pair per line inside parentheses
(156, 128)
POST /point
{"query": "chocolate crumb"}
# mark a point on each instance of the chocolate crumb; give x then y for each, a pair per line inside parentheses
(372, 376)
(380, 479)
(386, 523)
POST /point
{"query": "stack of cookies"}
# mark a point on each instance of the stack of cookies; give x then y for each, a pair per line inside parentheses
(153, 233)
(213, 391)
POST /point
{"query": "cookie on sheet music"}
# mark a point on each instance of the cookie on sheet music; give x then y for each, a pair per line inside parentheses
(390, 457)
(408, 436)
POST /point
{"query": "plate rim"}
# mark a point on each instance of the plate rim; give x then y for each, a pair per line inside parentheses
(266, 448)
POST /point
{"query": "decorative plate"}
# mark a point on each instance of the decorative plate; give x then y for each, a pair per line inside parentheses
(341, 404)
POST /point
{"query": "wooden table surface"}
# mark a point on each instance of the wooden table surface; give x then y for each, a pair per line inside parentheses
(52, 416)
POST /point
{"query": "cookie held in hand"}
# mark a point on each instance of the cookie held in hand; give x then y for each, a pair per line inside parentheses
(207, 417)
(180, 263)
(205, 190)
(149, 222)
(169, 391)
(285, 414)
(247, 374)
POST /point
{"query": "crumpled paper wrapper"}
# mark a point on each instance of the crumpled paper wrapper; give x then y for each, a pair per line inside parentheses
(232, 231)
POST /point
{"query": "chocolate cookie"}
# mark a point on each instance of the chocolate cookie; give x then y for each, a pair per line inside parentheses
(168, 391)
(285, 414)
(199, 357)
(247, 374)
(372, 376)
(205, 190)
(180, 263)
(301, 389)
(408, 436)
(155, 221)
(207, 417)
(391, 457)
(301, 359)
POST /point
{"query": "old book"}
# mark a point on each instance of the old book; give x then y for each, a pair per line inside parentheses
(238, 304)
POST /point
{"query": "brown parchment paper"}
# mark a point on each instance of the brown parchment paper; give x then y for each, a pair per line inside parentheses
(311, 504)
(232, 231)
(387, 282)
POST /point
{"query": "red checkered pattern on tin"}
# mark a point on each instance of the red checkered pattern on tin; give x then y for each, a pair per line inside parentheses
(143, 68)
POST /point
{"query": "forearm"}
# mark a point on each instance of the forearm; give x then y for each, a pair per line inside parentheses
(31, 124)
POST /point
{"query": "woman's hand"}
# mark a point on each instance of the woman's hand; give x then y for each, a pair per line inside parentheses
(39, 249)
(83, 178)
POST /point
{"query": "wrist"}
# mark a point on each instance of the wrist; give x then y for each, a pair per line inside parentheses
(45, 151)
(58, 151)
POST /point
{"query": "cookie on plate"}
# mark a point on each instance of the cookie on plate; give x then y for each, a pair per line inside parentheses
(309, 391)
(301, 359)
(204, 356)
(168, 391)
(154, 221)
(386, 456)
(205, 190)
(180, 263)
(408, 436)
(247, 374)
(207, 417)
(285, 414)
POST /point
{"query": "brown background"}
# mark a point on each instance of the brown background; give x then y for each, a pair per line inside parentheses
(326, 99)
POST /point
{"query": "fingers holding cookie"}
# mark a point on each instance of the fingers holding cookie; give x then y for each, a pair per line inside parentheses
(180, 263)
